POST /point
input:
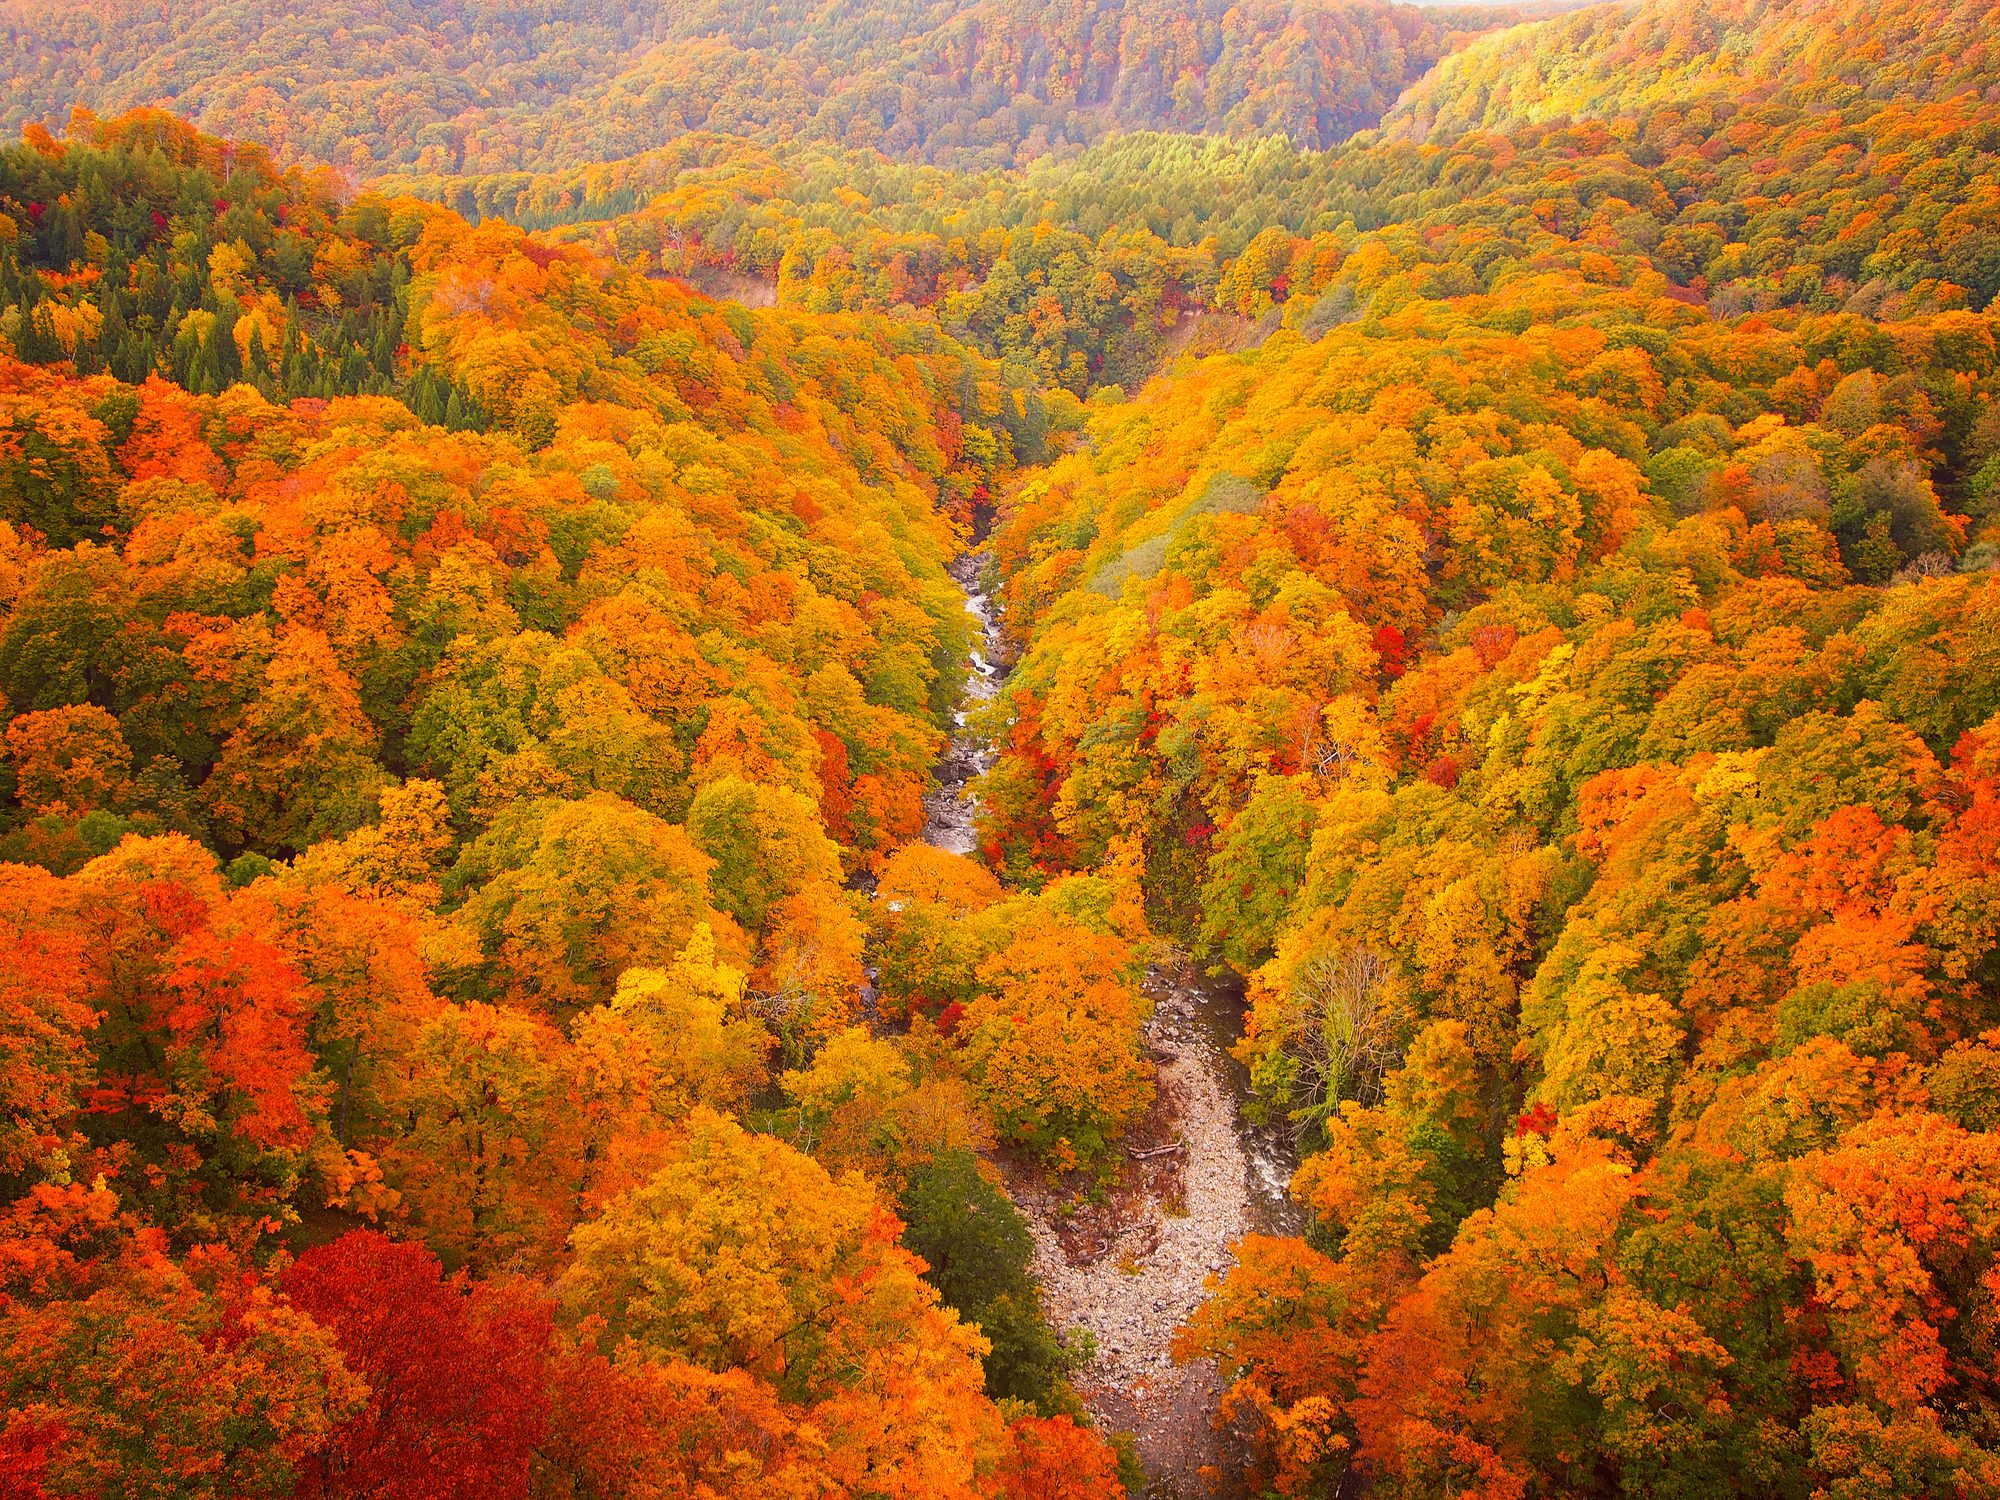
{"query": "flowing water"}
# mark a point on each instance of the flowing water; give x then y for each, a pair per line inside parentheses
(950, 810)
(1218, 1179)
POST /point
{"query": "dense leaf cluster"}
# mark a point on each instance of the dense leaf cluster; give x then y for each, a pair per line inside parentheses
(1556, 669)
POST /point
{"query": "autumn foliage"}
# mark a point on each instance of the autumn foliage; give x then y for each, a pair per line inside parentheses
(436, 775)
(1495, 548)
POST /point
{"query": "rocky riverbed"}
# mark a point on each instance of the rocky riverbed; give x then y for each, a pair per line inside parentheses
(951, 808)
(1131, 1263)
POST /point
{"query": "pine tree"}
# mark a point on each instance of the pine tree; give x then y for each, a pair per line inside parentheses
(38, 342)
(258, 366)
(228, 358)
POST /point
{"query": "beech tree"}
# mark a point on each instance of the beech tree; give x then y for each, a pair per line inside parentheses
(562, 897)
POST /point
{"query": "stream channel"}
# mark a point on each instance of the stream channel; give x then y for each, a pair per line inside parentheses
(1132, 1269)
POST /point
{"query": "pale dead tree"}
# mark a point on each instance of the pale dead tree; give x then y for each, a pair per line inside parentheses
(1268, 648)
(1335, 740)
(1328, 757)
(1343, 1036)
(787, 1005)
(1925, 565)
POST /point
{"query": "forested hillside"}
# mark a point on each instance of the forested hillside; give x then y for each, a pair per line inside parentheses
(1809, 192)
(447, 832)
(1557, 669)
(473, 85)
(1612, 60)
(1496, 562)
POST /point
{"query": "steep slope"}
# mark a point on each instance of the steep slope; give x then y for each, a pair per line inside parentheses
(1565, 691)
(423, 844)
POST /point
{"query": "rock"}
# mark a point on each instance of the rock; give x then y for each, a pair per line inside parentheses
(1132, 1382)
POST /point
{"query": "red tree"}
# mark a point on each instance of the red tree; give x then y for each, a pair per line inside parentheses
(1054, 1459)
(457, 1382)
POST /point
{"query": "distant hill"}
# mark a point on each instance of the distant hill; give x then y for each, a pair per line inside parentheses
(484, 85)
(1620, 60)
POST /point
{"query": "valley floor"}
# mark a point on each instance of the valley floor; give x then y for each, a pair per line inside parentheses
(1132, 1269)
(1130, 1266)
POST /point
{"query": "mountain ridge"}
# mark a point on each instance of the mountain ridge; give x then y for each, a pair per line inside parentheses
(370, 85)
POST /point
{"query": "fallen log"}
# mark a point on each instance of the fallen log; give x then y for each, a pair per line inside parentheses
(1138, 1155)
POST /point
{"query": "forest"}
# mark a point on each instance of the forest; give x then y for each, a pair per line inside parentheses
(1464, 541)
(481, 85)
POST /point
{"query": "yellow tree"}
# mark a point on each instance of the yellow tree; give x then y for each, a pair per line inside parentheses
(778, 874)
(668, 1039)
(926, 952)
(1052, 1042)
(563, 897)
(743, 1253)
(301, 766)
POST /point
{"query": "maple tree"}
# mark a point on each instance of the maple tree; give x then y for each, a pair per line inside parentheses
(456, 1400)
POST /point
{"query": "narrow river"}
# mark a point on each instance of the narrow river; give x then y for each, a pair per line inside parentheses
(950, 809)
(1180, 1212)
